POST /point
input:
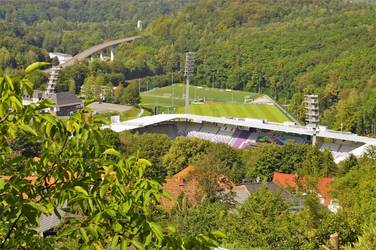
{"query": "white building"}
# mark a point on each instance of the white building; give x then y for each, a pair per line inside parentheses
(140, 25)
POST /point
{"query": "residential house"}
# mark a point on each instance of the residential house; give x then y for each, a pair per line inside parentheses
(66, 103)
(290, 181)
(185, 183)
(242, 193)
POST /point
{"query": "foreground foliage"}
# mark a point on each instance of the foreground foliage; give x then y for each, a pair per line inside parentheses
(107, 196)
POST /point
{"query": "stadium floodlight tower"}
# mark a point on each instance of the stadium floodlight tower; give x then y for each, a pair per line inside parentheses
(188, 72)
(312, 115)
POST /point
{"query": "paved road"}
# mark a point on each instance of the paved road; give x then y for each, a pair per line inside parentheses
(109, 107)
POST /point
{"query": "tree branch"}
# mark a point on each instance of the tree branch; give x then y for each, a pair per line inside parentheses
(10, 230)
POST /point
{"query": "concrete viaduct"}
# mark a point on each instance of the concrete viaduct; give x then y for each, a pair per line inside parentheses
(97, 49)
(54, 71)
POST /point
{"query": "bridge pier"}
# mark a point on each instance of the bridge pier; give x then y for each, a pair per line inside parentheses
(101, 55)
(112, 58)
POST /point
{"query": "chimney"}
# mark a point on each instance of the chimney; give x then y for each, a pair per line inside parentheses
(181, 180)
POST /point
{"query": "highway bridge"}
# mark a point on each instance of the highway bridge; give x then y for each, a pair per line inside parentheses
(54, 71)
(98, 48)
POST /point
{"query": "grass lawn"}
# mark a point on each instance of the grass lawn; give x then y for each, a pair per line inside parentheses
(174, 95)
(257, 111)
(218, 102)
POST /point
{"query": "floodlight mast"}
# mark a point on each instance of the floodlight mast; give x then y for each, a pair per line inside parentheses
(188, 72)
(313, 115)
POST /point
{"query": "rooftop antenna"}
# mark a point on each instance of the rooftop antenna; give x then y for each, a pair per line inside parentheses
(312, 115)
(188, 72)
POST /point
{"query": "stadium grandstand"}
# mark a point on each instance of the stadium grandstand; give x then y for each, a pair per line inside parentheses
(243, 133)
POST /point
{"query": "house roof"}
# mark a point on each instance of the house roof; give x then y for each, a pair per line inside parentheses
(178, 184)
(290, 181)
(244, 191)
(186, 182)
(271, 187)
(62, 99)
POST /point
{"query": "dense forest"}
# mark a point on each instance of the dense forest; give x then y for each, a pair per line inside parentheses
(69, 26)
(284, 49)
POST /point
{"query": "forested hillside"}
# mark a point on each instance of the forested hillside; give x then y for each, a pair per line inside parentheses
(285, 49)
(34, 11)
(69, 26)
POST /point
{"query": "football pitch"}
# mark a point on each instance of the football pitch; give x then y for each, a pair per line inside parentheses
(256, 111)
(174, 95)
(215, 102)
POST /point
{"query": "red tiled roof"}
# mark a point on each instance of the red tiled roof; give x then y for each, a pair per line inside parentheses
(178, 184)
(184, 172)
(186, 182)
(285, 180)
(289, 180)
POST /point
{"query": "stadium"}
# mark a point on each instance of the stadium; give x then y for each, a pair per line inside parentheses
(244, 132)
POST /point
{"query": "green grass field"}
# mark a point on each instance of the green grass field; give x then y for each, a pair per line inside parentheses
(257, 111)
(218, 102)
(174, 95)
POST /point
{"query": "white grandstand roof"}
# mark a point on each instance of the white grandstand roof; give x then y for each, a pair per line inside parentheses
(245, 123)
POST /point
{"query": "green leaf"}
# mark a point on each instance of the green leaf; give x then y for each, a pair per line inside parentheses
(148, 239)
(84, 234)
(81, 190)
(85, 247)
(3, 109)
(93, 231)
(67, 231)
(48, 129)
(112, 151)
(218, 234)
(125, 208)
(171, 229)
(110, 212)
(27, 129)
(2, 184)
(49, 118)
(114, 241)
(9, 81)
(117, 227)
(100, 120)
(37, 65)
(28, 85)
(144, 162)
(38, 207)
(88, 102)
(16, 103)
(103, 190)
(97, 217)
(137, 244)
(124, 245)
(157, 229)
